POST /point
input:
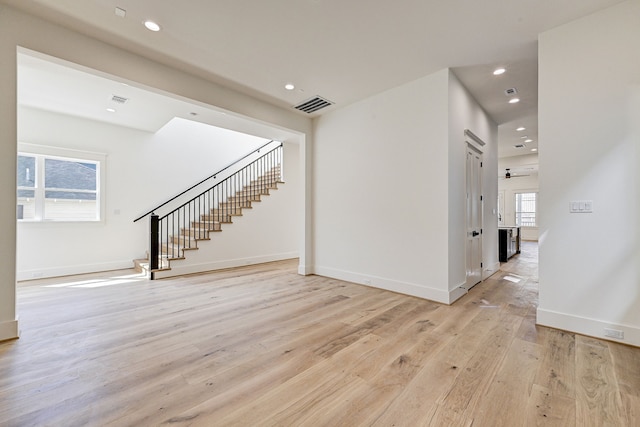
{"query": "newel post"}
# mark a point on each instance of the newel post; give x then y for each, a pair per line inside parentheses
(154, 252)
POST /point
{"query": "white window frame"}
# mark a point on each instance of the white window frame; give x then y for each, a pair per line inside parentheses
(41, 152)
(517, 208)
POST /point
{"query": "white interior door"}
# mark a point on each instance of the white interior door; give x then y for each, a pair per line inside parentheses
(474, 217)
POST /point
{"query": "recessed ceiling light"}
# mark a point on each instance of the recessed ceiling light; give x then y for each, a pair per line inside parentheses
(499, 71)
(534, 149)
(520, 129)
(514, 100)
(111, 110)
(524, 137)
(152, 26)
(289, 86)
(528, 140)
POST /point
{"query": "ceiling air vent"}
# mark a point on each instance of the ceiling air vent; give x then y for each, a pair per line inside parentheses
(313, 105)
(511, 91)
(519, 146)
(119, 99)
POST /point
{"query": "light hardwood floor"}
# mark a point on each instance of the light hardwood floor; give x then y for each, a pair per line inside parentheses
(263, 346)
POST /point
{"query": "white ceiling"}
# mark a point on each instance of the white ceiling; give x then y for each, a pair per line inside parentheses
(51, 84)
(342, 50)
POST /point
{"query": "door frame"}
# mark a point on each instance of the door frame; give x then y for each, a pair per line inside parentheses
(476, 145)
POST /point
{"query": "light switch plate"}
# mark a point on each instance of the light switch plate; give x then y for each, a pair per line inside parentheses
(581, 206)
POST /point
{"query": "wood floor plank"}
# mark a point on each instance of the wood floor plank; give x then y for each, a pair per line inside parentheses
(414, 405)
(630, 409)
(506, 398)
(626, 365)
(598, 401)
(443, 416)
(546, 409)
(557, 372)
(476, 375)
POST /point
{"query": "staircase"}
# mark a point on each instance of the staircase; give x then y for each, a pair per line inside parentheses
(180, 231)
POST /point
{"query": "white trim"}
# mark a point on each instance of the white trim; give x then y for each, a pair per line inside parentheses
(406, 288)
(490, 271)
(9, 330)
(181, 270)
(457, 293)
(586, 326)
(49, 150)
(472, 139)
(69, 153)
(71, 270)
(305, 270)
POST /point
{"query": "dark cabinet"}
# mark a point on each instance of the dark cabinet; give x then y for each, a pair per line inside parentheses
(508, 242)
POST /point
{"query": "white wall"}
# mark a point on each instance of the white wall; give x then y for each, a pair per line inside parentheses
(18, 29)
(380, 190)
(389, 191)
(589, 119)
(142, 171)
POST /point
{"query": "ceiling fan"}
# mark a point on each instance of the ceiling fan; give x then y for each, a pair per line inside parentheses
(509, 175)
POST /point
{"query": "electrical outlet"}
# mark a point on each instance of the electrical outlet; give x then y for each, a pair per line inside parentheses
(614, 333)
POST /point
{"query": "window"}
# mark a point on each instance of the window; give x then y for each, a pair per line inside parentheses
(526, 207)
(58, 188)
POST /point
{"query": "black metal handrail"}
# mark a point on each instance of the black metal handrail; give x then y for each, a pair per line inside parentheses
(213, 176)
(194, 220)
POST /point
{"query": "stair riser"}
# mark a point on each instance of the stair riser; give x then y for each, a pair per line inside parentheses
(142, 266)
(223, 219)
(190, 238)
(174, 250)
(270, 181)
(206, 225)
(248, 192)
(243, 199)
(234, 205)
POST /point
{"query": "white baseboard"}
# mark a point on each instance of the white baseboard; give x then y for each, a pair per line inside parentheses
(305, 270)
(72, 269)
(586, 326)
(180, 268)
(420, 291)
(9, 330)
(457, 293)
(490, 270)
